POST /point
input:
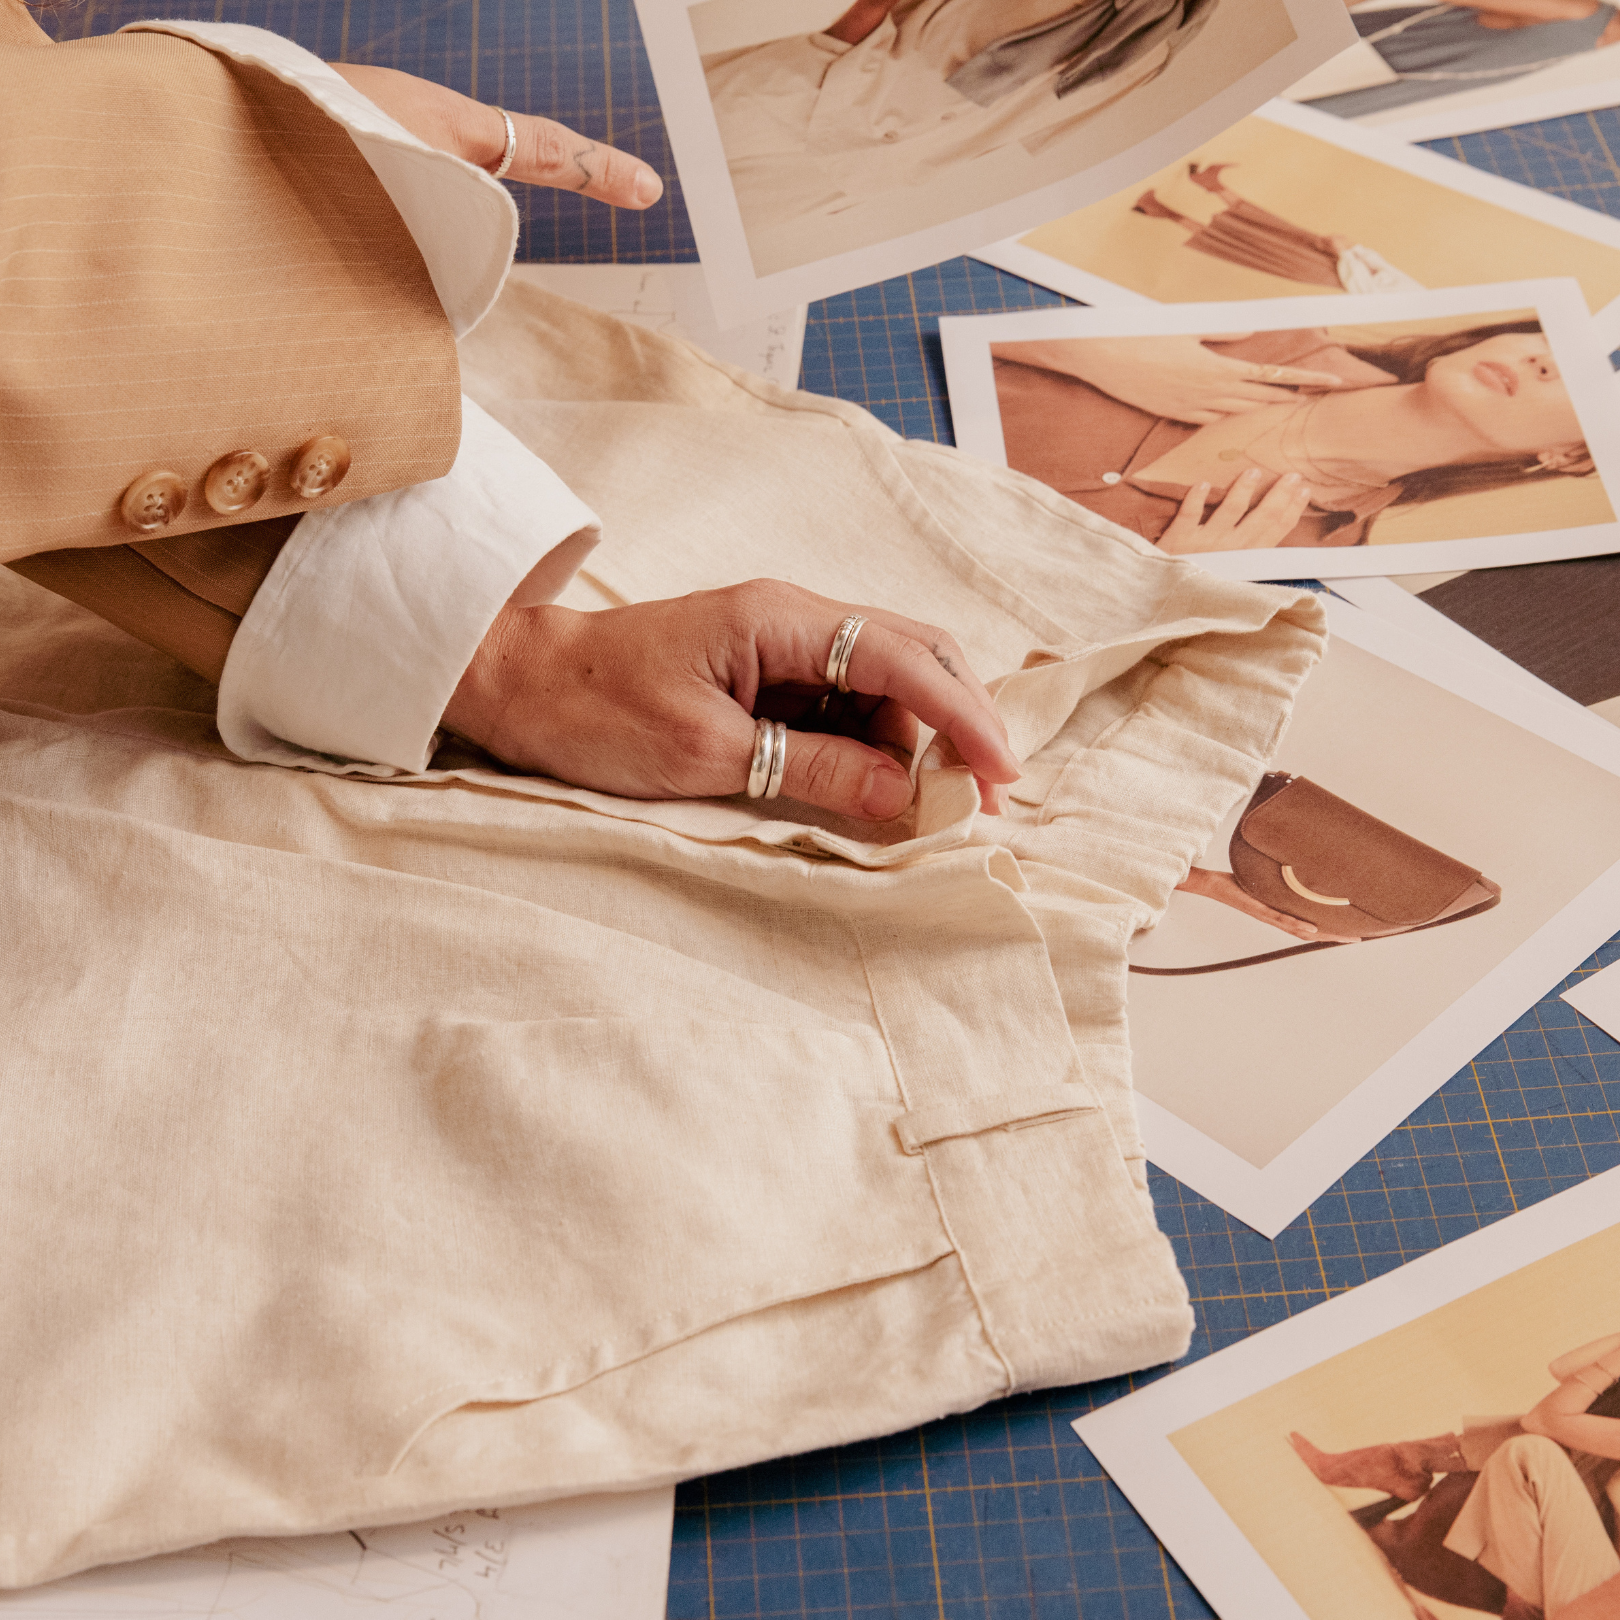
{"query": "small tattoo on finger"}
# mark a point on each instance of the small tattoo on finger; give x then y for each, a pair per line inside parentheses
(945, 663)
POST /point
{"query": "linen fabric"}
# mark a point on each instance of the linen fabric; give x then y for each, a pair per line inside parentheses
(373, 1148)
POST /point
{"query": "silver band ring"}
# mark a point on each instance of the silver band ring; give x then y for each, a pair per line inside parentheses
(770, 759)
(499, 172)
(843, 645)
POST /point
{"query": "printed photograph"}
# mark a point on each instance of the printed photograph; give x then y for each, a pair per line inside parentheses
(1464, 1464)
(1289, 202)
(1424, 71)
(824, 144)
(1553, 626)
(1405, 876)
(1372, 443)
(1560, 621)
(895, 114)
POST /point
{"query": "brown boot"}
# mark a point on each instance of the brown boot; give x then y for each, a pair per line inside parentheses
(1373, 1468)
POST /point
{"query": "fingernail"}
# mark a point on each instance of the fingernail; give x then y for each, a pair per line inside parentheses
(649, 188)
(886, 794)
(1252, 473)
(1003, 799)
(1290, 479)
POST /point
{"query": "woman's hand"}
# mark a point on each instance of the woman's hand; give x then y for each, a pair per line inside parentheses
(1232, 526)
(1176, 377)
(1564, 1416)
(862, 18)
(1223, 886)
(548, 153)
(656, 700)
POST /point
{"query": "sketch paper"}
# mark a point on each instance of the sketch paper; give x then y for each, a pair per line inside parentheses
(1292, 203)
(1259, 1086)
(1204, 1454)
(674, 299)
(1554, 625)
(1423, 72)
(1470, 427)
(592, 1558)
(1598, 997)
(811, 165)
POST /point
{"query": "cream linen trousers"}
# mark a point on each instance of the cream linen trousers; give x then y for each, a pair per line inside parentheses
(369, 1149)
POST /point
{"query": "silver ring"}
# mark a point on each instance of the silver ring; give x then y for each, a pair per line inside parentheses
(843, 645)
(770, 759)
(499, 173)
(778, 760)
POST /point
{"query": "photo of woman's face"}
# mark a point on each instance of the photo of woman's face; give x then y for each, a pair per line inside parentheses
(1509, 392)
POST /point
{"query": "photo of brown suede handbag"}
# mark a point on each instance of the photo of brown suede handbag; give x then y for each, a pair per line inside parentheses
(1301, 850)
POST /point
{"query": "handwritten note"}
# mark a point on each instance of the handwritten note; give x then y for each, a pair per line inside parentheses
(672, 298)
(597, 1558)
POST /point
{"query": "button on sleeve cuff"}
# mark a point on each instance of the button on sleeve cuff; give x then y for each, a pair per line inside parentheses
(352, 647)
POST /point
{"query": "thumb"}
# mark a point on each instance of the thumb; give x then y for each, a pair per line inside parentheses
(844, 776)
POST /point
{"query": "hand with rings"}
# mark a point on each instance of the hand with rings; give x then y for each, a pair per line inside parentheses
(1178, 377)
(730, 691)
(516, 146)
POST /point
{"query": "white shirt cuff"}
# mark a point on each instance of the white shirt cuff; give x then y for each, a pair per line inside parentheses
(353, 645)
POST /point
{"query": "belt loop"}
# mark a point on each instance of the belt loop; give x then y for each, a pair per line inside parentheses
(998, 1111)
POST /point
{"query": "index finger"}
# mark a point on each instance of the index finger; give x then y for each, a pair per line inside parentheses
(894, 664)
(551, 154)
(1291, 376)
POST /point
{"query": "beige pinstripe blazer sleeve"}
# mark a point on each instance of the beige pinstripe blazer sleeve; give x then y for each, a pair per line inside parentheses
(196, 260)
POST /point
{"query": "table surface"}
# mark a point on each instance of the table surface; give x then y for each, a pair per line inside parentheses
(1002, 1514)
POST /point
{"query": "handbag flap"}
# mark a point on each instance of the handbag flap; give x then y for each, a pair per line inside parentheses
(1334, 849)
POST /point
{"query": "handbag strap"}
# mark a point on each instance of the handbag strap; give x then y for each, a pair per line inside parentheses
(1315, 945)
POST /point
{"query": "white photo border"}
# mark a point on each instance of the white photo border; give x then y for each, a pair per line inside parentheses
(1269, 1198)
(1392, 602)
(1557, 301)
(1131, 1437)
(1381, 147)
(1321, 27)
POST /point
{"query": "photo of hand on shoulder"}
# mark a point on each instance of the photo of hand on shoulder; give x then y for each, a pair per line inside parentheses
(282, 513)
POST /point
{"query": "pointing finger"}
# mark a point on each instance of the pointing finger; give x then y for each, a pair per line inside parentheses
(1292, 376)
(551, 154)
(905, 669)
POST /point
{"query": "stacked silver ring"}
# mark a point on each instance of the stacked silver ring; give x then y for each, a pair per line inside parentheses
(499, 173)
(843, 645)
(770, 759)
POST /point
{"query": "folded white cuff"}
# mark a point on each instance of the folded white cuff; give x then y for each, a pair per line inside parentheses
(353, 645)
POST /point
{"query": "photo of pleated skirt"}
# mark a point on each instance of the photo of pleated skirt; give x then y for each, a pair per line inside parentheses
(1253, 237)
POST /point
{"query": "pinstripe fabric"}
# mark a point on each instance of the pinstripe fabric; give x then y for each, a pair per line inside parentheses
(184, 596)
(194, 260)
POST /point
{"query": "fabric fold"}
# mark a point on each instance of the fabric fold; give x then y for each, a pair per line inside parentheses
(467, 1136)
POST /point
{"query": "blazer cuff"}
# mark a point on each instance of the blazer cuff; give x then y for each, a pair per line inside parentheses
(352, 647)
(463, 220)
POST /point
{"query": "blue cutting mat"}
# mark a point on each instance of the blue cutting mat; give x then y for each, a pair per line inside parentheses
(1001, 1515)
